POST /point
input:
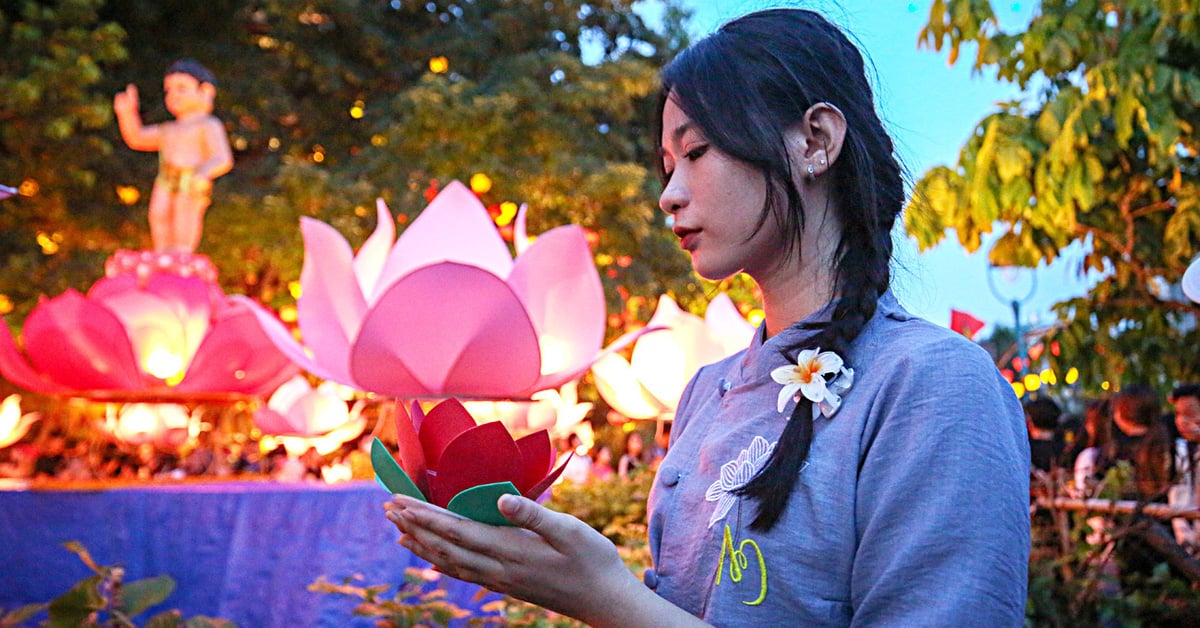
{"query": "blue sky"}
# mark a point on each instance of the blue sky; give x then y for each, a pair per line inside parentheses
(931, 108)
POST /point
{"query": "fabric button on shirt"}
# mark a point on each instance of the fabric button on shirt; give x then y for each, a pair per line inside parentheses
(650, 577)
(669, 476)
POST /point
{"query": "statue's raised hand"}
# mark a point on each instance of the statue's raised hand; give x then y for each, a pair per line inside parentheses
(126, 102)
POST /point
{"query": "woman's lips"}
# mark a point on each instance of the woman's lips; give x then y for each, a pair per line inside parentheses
(687, 237)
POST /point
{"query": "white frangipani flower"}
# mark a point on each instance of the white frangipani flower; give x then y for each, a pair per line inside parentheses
(810, 377)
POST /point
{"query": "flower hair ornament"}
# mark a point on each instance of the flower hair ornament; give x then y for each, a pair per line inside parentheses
(821, 377)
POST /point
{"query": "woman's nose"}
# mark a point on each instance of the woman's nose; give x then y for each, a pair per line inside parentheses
(674, 196)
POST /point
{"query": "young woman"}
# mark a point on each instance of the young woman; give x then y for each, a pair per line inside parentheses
(854, 465)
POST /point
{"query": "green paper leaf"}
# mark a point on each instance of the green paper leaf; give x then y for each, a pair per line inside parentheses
(478, 503)
(390, 475)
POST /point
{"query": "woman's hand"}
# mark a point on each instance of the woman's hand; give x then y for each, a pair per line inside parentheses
(549, 558)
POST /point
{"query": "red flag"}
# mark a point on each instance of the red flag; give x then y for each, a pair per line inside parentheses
(964, 323)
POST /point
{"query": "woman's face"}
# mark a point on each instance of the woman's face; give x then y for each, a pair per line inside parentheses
(716, 201)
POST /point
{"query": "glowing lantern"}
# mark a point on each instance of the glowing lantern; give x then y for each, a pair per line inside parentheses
(13, 424)
(163, 334)
(649, 385)
(166, 425)
(557, 411)
(302, 417)
(445, 310)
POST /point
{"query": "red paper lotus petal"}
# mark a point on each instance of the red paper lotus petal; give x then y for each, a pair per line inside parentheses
(455, 227)
(557, 283)
(81, 345)
(537, 459)
(331, 305)
(446, 330)
(412, 454)
(237, 357)
(537, 489)
(442, 425)
(17, 370)
(483, 454)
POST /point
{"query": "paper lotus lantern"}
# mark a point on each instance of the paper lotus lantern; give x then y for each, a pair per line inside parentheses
(555, 410)
(445, 311)
(1191, 281)
(13, 424)
(166, 336)
(448, 460)
(304, 417)
(165, 425)
(649, 385)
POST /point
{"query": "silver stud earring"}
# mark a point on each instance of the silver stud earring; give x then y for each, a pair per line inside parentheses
(811, 171)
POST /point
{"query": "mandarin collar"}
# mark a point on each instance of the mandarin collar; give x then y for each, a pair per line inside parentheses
(766, 354)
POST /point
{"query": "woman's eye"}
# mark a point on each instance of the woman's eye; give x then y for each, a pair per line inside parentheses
(696, 152)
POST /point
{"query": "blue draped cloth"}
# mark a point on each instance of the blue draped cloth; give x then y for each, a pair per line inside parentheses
(242, 551)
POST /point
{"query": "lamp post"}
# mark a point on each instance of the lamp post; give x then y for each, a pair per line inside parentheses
(1015, 303)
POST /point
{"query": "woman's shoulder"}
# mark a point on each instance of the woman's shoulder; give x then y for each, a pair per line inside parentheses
(903, 339)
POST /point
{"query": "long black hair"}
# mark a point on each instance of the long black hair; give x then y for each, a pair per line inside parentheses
(744, 86)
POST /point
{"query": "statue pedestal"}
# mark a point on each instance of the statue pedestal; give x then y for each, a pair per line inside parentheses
(144, 264)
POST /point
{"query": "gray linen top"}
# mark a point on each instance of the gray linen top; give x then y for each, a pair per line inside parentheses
(913, 508)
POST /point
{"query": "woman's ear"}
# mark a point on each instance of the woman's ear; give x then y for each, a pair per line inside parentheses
(816, 141)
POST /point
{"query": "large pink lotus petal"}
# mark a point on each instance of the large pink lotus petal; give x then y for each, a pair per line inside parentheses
(80, 344)
(481, 455)
(331, 306)
(557, 283)
(281, 337)
(237, 357)
(468, 330)
(444, 423)
(368, 264)
(537, 459)
(17, 370)
(455, 227)
(412, 453)
(521, 231)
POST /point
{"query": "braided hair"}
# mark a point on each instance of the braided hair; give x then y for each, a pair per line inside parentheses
(745, 85)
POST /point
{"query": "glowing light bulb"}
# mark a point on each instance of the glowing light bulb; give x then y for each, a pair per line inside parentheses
(164, 364)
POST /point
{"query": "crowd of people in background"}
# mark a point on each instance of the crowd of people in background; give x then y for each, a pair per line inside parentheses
(54, 455)
(58, 456)
(1161, 449)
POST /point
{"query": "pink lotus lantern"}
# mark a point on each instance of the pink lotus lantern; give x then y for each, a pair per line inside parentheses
(446, 459)
(158, 337)
(446, 311)
(649, 385)
(303, 416)
(13, 424)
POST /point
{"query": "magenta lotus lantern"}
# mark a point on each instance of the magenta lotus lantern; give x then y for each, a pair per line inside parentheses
(446, 311)
(650, 383)
(156, 336)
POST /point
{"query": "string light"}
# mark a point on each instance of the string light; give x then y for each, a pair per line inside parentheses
(481, 183)
(439, 65)
(128, 194)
